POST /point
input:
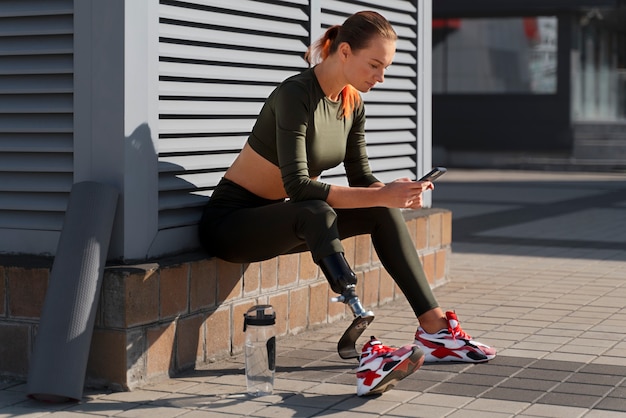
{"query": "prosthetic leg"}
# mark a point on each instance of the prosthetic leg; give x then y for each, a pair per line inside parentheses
(343, 281)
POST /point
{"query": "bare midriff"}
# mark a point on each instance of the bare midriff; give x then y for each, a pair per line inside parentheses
(257, 175)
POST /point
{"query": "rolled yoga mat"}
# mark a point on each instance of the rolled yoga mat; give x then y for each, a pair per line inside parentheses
(59, 360)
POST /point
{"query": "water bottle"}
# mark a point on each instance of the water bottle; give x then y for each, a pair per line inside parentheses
(260, 352)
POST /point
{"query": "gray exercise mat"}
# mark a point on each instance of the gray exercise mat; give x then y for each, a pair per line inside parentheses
(59, 361)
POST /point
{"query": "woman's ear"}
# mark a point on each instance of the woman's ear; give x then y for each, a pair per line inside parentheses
(344, 50)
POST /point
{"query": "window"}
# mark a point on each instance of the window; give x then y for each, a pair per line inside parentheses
(495, 55)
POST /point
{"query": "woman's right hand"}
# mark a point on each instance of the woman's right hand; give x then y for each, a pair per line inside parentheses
(405, 193)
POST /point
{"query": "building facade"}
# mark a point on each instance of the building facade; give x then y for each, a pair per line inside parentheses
(530, 76)
(157, 97)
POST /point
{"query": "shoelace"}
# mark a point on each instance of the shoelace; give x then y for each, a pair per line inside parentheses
(377, 348)
(457, 331)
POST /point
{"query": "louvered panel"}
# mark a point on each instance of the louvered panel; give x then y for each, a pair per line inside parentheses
(36, 122)
(201, 145)
(390, 110)
(223, 73)
(32, 202)
(35, 162)
(40, 103)
(35, 84)
(195, 162)
(189, 90)
(230, 20)
(380, 96)
(215, 108)
(391, 106)
(386, 137)
(45, 142)
(225, 56)
(35, 182)
(219, 61)
(25, 220)
(204, 126)
(388, 124)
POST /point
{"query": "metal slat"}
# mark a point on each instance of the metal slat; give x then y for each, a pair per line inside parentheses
(228, 56)
(215, 89)
(386, 137)
(45, 142)
(36, 83)
(214, 108)
(256, 7)
(17, 162)
(36, 25)
(220, 72)
(196, 162)
(213, 36)
(205, 126)
(205, 144)
(390, 110)
(231, 21)
(382, 124)
(36, 182)
(36, 103)
(36, 64)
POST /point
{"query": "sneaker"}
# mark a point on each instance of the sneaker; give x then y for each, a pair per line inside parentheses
(452, 344)
(381, 367)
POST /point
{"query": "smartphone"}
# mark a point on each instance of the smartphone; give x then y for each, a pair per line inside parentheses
(435, 173)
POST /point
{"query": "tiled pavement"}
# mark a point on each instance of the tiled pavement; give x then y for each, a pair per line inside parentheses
(538, 271)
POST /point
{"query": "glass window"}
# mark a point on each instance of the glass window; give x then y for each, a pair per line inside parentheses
(495, 55)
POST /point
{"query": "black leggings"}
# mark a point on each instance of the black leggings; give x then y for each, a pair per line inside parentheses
(240, 227)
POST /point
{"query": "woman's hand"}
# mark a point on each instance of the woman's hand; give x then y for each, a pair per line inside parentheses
(405, 193)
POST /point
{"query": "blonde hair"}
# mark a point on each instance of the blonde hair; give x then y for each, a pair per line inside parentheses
(357, 30)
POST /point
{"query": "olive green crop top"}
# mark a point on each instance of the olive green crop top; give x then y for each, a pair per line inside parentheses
(302, 132)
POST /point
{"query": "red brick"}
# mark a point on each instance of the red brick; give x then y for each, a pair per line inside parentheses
(429, 267)
(308, 268)
(371, 285)
(238, 319)
(446, 228)
(434, 228)
(141, 298)
(287, 269)
(318, 303)
(387, 287)
(269, 274)
(160, 352)
(298, 304)
(107, 357)
(228, 281)
(217, 333)
(421, 233)
(174, 290)
(189, 341)
(280, 303)
(349, 248)
(440, 264)
(26, 291)
(363, 245)
(251, 278)
(203, 284)
(14, 348)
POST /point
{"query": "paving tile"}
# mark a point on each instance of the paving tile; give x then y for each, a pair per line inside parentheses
(568, 399)
(612, 404)
(419, 411)
(458, 389)
(528, 384)
(509, 394)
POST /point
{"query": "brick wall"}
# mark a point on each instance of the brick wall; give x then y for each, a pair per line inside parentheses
(159, 318)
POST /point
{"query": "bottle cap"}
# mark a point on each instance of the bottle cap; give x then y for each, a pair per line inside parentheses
(259, 315)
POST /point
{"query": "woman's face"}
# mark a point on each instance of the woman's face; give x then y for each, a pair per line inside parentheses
(366, 67)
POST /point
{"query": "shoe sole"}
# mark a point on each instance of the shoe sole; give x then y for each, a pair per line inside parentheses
(402, 370)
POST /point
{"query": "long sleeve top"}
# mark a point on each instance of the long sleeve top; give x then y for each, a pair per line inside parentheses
(303, 132)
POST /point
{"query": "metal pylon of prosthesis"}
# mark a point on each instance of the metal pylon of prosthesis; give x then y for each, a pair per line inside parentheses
(346, 347)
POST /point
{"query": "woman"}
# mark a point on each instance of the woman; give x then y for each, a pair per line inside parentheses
(270, 201)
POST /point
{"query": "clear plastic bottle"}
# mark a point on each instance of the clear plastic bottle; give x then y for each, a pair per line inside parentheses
(260, 350)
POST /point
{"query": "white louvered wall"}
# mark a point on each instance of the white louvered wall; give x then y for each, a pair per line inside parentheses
(36, 122)
(219, 60)
(391, 106)
(218, 63)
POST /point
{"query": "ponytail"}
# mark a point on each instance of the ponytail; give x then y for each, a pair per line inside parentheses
(357, 31)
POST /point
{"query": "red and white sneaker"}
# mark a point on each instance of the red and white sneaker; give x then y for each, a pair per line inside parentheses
(452, 344)
(381, 367)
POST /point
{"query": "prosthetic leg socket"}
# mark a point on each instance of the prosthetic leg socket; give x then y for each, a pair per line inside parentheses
(343, 281)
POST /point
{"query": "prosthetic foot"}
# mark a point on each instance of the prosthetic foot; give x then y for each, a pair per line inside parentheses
(343, 281)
